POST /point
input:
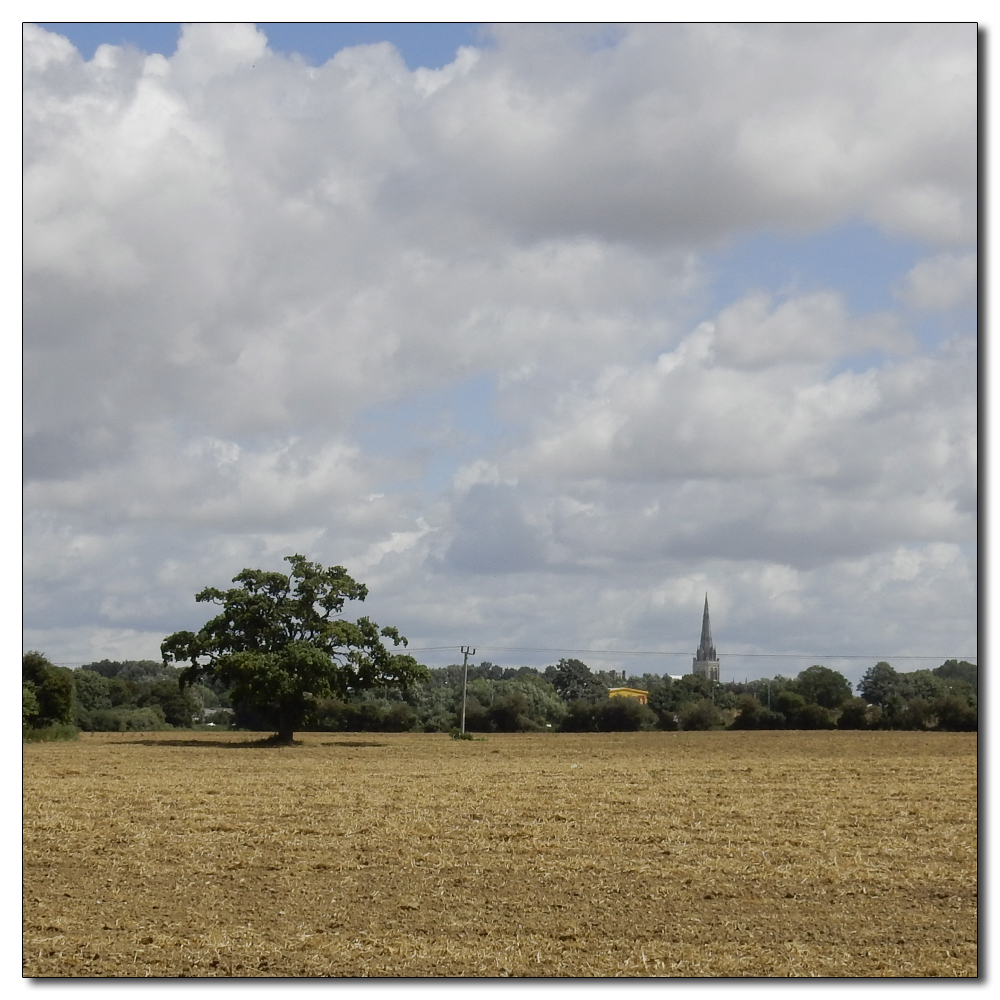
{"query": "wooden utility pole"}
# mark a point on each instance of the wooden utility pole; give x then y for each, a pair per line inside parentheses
(466, 650)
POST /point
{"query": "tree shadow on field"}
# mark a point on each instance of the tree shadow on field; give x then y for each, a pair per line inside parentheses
(267, 743)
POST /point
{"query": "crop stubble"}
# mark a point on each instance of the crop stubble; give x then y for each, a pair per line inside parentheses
(667, 854)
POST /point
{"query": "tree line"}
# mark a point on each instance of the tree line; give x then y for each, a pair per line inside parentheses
(144, 695)
(280, 656)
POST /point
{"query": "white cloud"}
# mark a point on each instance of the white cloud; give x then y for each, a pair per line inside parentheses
(231, 257)
(941, 282)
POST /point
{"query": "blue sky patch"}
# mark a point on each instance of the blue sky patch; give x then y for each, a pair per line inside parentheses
(855, 258)
(431, 45)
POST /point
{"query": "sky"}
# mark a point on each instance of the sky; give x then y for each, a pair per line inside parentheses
(543, 331)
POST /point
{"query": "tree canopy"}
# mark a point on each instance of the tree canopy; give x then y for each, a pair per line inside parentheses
(46, 692)
(574, 680)
(823, 686)
(279, 645)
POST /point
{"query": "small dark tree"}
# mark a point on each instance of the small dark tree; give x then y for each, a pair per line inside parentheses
(92, 690)
(579, 717)
(693, 687)
(29, 706)
(823, 686)
(790, 705)
(917, 713)
(509, 714)
(279, 646)
(476, 719)
(956, 715)
(881, 684)
(751, 714)
(959, 670)
(813, 716)
(52, 689)
(700, 715)
(573, 680)
(177, 703)
(662, 701)
(853, 714)
(926, 685)
(623, 715)
(399, 718)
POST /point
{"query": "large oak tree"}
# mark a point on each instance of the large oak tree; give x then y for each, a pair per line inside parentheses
(279, 643)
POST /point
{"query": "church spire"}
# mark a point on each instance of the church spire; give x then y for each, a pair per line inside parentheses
(706, 649)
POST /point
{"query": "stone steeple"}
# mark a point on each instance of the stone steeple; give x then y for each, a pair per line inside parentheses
(706, 662)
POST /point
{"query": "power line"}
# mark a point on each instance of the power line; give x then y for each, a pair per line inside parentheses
(660, 652)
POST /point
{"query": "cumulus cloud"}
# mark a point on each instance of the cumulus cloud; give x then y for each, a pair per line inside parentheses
(230, 257)
(941, 282)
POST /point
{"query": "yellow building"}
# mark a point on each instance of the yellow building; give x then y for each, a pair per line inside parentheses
(640, 696)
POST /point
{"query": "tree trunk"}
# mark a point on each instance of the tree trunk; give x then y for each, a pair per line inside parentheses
(286, 727)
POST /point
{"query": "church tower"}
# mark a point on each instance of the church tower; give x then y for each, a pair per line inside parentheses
(706, 663)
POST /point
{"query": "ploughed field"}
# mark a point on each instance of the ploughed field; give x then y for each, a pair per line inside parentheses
(633, 854)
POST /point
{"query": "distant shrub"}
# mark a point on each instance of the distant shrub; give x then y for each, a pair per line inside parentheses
(700, 716)
(399, 718)
(178, 706)
(622, 715)
(579, 717)
(510, 714)
(667, 721)
(854, 715)
(813, 716)
(917, 713)
(92, 690)
(124, 720)
(959, 670)
(375, 716)
(476, 719)
(46, 734)
(51, 688)
(29, 705)
(751, 714)
(748, 710)
(789, 704)
(823, 686)
(955, 715)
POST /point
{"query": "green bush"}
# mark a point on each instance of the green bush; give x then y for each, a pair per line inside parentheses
(60, 731)
(622, 715)
(963, 671)
(789, 704)
(476, 719)
(178, 705)
(92, 690)
(29, 705)
(854, 715)
(399, 718)
(955, 715)
(125, 720)
(52, 688)
(813, 716)
(579, 717)
(700, 716)
(512, 714)
(917, 714)
(751, 714)
(823, 686)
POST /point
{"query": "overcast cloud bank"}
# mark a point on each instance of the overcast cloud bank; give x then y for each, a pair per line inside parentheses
(455, 330)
